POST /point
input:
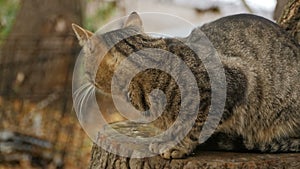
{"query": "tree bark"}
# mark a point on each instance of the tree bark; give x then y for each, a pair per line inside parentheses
(38, 56)
(290, 18)
(279, 8)
(101, 158)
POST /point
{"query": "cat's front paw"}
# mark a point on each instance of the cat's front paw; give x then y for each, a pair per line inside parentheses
(168, 150)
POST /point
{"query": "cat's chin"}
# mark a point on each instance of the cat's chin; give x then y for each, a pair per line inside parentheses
(99, 91)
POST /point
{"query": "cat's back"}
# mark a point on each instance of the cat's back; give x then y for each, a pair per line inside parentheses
(251, 37)
(266, 54)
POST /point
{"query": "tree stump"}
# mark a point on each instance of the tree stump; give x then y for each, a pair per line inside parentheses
(101, 158)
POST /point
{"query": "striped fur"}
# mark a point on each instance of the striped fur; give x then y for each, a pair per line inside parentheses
(262, 69)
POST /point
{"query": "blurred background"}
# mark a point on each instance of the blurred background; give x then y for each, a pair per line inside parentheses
(38, 50)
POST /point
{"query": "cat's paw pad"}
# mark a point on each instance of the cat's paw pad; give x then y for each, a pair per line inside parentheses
(167, 150)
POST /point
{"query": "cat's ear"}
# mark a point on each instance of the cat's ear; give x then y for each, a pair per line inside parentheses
(134, 20)
(82, 35)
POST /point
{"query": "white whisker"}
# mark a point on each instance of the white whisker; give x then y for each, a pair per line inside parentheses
(81, 88)
(80, 94)
(84, 99)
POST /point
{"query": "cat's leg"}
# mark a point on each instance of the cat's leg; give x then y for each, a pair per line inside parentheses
(180, 150)
(218, 141)
(277, 145)
(172, 149)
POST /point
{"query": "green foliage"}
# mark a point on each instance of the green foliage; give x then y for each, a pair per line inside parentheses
(8, 11)
(99, 15)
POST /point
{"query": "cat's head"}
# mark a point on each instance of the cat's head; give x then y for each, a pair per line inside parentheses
(99, 46)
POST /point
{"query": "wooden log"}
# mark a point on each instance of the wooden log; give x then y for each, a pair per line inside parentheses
(101, 158)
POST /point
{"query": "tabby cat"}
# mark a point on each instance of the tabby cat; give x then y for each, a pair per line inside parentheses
(262, 68)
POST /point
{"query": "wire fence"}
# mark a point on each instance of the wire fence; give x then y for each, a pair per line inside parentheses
(38, 126)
